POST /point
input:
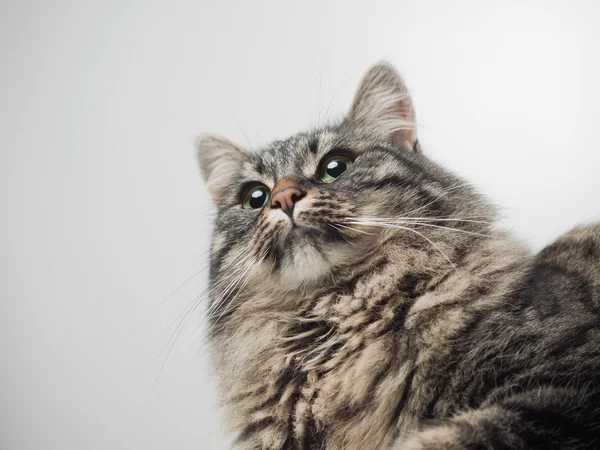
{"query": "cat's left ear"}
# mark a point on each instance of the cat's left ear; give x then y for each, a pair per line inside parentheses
(220, 162)
(383, 105)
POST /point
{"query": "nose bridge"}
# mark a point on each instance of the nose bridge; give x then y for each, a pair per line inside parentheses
(285, 183)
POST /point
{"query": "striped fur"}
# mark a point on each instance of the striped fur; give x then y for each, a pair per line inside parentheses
(392, 313)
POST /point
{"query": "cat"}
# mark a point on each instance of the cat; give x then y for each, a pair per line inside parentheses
(362, 298)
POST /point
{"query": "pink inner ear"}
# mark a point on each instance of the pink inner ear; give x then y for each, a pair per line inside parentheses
(405, 139)
(395, 115)
(383, 105)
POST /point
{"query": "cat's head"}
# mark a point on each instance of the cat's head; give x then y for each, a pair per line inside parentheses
(304, 207)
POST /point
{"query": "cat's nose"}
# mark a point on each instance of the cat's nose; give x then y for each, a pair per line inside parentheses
(286, 198)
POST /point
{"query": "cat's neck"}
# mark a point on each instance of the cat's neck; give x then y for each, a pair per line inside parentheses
(405, 266)
(272, 347)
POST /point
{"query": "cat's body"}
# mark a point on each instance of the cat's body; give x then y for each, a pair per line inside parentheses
(381, 309)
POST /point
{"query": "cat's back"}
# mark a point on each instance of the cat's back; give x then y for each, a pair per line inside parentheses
(549, 331)
(567, 272)
(561, 304)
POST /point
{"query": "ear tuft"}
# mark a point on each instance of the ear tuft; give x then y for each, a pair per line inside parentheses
(383, 105)
(220, 161)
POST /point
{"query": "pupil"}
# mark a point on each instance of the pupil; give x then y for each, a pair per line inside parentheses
(336, 168)
(257, 199)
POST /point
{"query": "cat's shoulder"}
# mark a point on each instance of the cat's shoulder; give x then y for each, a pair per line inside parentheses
(568, 270)
(577, 251)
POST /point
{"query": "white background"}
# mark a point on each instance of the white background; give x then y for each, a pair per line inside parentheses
(103, 213)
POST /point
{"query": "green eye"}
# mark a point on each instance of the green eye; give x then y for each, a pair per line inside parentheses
(333, 167)
(256, 197)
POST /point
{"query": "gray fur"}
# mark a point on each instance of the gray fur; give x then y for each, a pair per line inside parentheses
(392, 313)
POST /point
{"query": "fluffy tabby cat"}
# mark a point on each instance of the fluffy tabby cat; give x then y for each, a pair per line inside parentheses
(361, 298)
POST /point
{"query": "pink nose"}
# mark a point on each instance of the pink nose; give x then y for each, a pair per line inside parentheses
(286, 199)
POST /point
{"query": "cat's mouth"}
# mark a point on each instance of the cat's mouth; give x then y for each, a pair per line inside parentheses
(305, 254)
(294, 236)
(304, 232)
(311, 241)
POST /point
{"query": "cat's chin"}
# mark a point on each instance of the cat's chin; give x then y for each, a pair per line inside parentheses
(308, 258)
(304, 265)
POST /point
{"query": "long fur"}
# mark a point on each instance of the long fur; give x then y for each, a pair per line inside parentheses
(389, 312)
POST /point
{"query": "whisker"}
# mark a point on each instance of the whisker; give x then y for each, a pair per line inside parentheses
(232, 286)
(458, 230)
(237, 123)
(204, 293)
(179, 328)
(342, 234)
(184, 315)
(174, 319)
(235, 277)
(215, 305)
(354, 229)
(384, 225)
(245, 283)
(254, 266)
(184, 283)
(335, 93)
(425, 224)
(432, 219)
(452, 187)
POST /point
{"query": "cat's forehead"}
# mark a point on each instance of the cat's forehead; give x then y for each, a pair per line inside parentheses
(297, 156)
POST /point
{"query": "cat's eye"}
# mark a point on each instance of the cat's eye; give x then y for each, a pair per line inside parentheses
(256, 197)
(332, 167)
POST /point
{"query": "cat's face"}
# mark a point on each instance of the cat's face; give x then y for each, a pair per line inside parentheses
(304, 207)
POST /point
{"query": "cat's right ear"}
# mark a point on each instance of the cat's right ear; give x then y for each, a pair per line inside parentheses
(220, 162)
(383, 105)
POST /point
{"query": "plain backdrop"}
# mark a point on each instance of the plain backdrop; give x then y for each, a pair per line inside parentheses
(103, 213)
